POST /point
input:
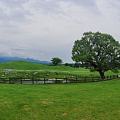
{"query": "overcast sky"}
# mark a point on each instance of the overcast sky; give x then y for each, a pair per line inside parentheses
(43, 29)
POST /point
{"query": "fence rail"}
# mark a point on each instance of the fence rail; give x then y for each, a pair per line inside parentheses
(45, 80)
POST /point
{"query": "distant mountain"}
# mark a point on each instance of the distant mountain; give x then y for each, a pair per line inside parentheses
(9, 59)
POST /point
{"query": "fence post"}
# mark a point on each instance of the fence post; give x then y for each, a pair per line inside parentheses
(44, 80)
(92, 79)
(21, 81)
(32, 80)
(36, 81)
(85, 79)
(76, 78)
(117, 76)
(66, 79)
(9, 80)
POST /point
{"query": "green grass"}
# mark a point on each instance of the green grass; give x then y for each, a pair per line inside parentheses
(87, 101)
(21, 65)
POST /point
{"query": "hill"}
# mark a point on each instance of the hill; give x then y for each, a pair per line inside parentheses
(22, 65)
(11, 59)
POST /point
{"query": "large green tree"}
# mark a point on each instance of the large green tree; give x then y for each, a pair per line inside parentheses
(56, 61)
(99, 50)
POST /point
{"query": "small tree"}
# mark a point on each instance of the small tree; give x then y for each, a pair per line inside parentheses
(56, 61)
(100, 51)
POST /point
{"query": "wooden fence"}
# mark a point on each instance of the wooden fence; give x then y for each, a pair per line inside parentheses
(45, 80)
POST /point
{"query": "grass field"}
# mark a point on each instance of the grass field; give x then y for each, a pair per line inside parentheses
(21, 65)
(87, 101)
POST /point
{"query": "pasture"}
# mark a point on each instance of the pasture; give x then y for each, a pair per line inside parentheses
(86, 101)
(27, 66)
(82, 101)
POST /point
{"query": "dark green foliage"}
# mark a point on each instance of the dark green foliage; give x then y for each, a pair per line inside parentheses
(56, 61)
(98, 50)
(69, 64)
(77, 65)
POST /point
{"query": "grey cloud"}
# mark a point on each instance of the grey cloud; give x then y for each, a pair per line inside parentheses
(25, 52)
(83, 2)
(54, 6)
(46, 28)
(13, 3)
(12, 12)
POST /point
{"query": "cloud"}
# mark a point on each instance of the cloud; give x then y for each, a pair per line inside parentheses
(12, 12)
(44, 29)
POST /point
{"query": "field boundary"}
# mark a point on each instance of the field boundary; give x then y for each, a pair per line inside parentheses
(45, 80)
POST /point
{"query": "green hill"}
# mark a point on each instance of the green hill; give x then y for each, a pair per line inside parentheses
(21, 65)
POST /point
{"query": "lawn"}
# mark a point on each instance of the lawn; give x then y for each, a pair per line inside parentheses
(86, 101)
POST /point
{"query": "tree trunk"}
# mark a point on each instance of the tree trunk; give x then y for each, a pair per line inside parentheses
(102, 74)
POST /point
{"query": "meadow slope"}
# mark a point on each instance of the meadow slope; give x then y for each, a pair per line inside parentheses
(21, 65)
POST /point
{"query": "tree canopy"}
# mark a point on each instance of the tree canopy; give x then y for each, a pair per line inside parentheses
(56, 61)
(99, 50)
